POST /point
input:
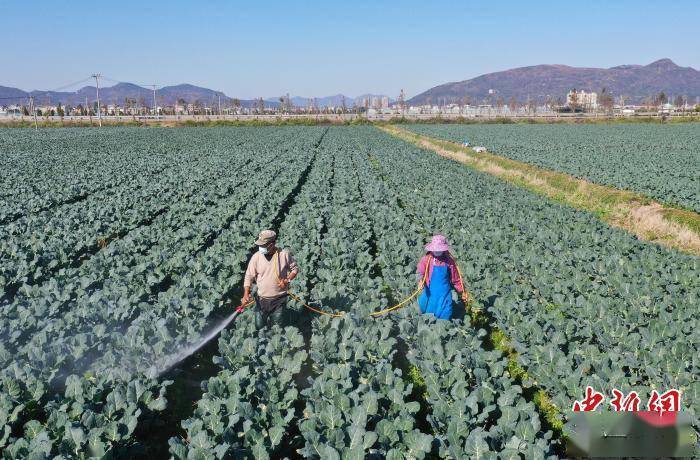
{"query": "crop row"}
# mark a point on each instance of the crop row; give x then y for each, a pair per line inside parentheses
(35, 246)
(474, 407)
(45, 170)
(357, 400)
(660, 161)
(148, 329)
(30, 253)
(583, 303)
(83, 345)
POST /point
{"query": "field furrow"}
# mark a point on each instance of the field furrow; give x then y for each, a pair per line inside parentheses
(660, 161)
(119, 279)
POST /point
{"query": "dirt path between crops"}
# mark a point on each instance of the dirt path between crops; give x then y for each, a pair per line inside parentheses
(639, 215)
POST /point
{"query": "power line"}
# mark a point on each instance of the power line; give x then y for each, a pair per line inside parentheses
(60, 88)
(141, 86)
(114, 80)
(28, 94)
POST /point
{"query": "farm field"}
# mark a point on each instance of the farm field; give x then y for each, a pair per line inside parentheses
(133, 246)
(660, 161)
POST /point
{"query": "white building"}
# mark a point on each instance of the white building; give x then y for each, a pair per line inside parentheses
(14, 109)
(414, 110)
(47, 109)
(584, 100)
(385, 102)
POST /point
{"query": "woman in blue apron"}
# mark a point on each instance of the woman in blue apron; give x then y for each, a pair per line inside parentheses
(438, 271)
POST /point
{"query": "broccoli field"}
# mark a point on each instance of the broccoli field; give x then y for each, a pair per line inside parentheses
(121, 247)
(660, 161)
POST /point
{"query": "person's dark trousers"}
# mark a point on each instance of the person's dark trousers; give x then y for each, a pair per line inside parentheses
(269, 311)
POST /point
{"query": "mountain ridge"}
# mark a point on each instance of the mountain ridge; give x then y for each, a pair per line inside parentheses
(167, 95)
(539, 82)
(544, 81)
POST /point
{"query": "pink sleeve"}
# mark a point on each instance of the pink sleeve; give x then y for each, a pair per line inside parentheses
(420, 272)
(454, 275)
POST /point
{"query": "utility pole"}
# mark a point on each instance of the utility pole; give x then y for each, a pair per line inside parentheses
(31, 107)
(219, 104)
(155, 106)
(97, 76)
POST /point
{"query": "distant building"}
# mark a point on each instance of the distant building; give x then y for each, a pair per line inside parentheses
(47, 109)
(14, 109)
(385, 102)
(376, 102)
(584, 100)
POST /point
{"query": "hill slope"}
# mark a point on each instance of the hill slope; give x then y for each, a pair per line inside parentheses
(541, 81)
(167, 95)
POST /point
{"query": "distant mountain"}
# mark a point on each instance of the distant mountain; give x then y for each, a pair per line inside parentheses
(7, 93)
(167, 95)
(117, 94)
(542, 81)
(192, 93)
(108, 94)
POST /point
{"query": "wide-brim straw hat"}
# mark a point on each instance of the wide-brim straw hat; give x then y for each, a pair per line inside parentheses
(438, 243)
(265, 237)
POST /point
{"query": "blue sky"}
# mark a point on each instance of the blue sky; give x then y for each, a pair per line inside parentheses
(251, 49)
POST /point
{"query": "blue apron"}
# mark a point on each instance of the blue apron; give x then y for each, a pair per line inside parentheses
(437, 298)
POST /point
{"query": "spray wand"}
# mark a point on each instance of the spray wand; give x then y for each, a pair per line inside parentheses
(240, 309)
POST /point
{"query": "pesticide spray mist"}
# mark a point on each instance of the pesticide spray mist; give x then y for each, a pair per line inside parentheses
(168, 362)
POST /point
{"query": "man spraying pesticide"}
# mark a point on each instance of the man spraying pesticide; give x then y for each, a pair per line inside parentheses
(270, 269)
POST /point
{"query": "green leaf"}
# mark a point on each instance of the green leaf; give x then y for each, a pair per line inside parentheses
(259, 452)
(276, 433)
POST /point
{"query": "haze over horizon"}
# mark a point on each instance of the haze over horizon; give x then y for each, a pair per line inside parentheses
(307, 49)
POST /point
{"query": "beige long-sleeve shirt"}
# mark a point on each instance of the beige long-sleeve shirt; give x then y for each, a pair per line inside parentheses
(263, 272)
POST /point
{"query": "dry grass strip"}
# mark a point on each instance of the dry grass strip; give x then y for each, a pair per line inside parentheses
(639, 215)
